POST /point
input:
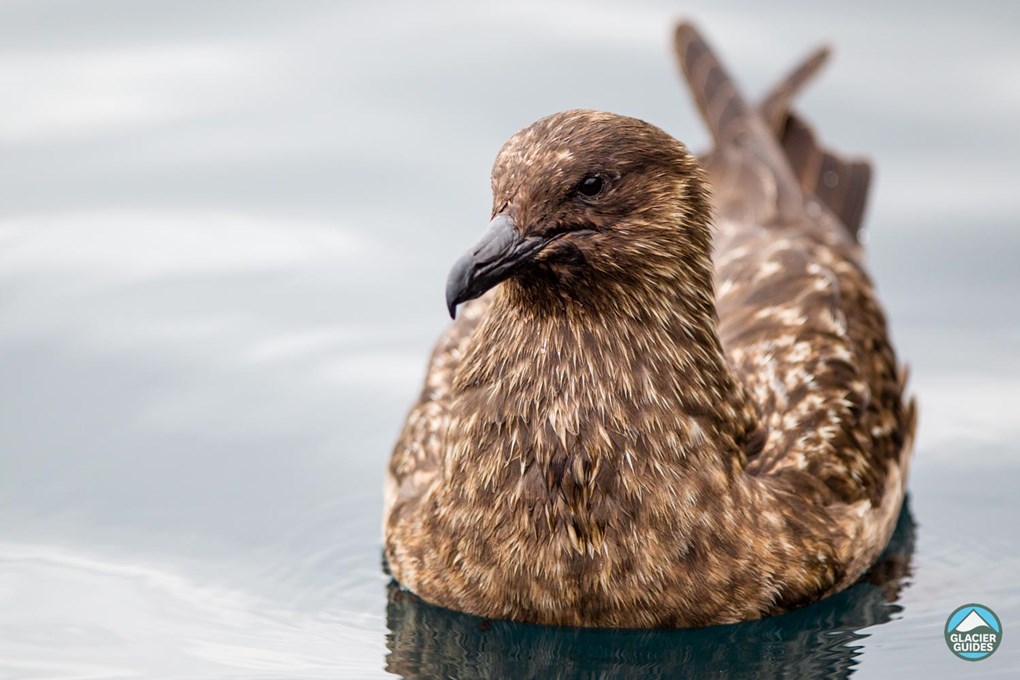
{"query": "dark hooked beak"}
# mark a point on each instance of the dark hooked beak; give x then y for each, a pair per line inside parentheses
(496, 257)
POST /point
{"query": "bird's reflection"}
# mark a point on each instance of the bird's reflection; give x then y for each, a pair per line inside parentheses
(425, 641)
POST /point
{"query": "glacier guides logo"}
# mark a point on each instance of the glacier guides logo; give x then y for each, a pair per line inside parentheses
(973, 632)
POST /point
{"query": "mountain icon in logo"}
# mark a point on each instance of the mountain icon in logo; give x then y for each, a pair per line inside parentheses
(971, 622)
(973, 632)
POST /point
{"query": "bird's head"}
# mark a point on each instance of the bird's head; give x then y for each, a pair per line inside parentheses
(586, 203)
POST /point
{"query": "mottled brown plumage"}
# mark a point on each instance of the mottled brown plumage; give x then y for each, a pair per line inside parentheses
(642, 423)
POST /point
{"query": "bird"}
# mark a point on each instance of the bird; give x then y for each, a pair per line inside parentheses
(668, 398)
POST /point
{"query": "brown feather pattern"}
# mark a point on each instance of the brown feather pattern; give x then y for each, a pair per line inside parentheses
(658, 423)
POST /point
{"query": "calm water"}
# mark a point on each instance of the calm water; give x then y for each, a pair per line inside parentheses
(224, 233)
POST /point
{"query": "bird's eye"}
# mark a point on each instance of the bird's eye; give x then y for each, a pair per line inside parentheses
(591, 186)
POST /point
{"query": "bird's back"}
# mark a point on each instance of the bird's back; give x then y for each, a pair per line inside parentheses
(798, 313)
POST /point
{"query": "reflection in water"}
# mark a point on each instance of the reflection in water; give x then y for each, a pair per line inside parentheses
(817, 641)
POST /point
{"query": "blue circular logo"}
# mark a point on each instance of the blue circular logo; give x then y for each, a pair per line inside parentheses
(973, 632)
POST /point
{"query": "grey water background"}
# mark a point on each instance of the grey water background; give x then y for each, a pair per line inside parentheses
(224, 234)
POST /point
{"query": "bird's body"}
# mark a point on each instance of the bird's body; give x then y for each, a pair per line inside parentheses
(636, 428)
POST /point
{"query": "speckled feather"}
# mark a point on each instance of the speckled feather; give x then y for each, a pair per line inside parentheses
(655, 426)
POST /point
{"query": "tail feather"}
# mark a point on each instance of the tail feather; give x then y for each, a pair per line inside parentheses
(840, 184)
(715, 94)
(776, 104)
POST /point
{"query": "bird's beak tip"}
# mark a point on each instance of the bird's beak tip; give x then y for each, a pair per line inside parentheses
(494, 258)
(458, 284)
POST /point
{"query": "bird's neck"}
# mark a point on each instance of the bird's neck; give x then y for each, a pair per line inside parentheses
(621, 372)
